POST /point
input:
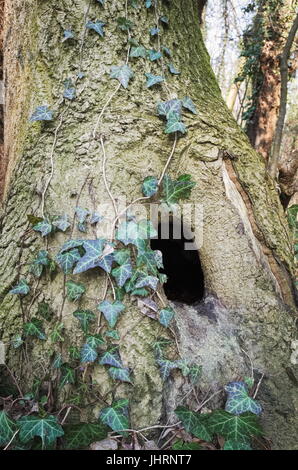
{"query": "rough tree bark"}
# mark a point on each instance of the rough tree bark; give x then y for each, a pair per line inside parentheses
(246, 253)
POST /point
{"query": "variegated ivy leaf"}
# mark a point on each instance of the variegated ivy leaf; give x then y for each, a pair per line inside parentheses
(149, 281)
(69, 93)
(61, 222)
(122, 73)
(42, 113)
(187, 103)
(124, 24)
(239, 401)
(194, 423)
(85, 317)
(112, 334)
(174, 124)
(68, 259)
(235, 427)
(81, 214)
(70, 244)
(106, 262)
(234, 445)
(21, 288)
(92, 257)
(174, 190)
(122, 273)
(97, 27)
(121, 374)
(111, 311)
(111, 358)
(67, 34)
(154, 55)
(88, 354)
(7, 428)
(138, 51)
(165, 316)
(166, 367)
(173, 69)
(122, 256)
(44, 227)
(165, 108)
(149, 260)
(153, 79)
(34, 328)
(116, 416)
(68, 375)
(74, 290)
(154, 31)
(150, 186)
(47, 428)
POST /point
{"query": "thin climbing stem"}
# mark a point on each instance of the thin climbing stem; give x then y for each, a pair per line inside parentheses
(168, 161)
(104, 161)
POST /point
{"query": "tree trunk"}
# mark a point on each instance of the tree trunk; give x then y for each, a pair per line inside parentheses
(248, 309)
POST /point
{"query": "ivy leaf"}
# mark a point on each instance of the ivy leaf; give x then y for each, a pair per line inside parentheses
(70, 244)
(194, 423)
(42, 113)
(148, 258)
(69, 93)
(140, 292)
(153, 79)
(81, 435)
(85, 317)
(61, 222)
(153, 55)
(234, 445)
(56, 333)
(111, 311)
(181, 445)
(38, 264)
(106, 263)
(174, 190)
(154, 31)
(165, 316)
(150, 281)
(239, 401)
(74, 290)
(187, 103)
(174, 124)
(57, 362)
(138, 51)
(111, 358)
(165, 108)
(132, 232)
(166, 50)
(47, 428)
(68, 259)
(68, 375)
(101, 2)
(159, 345)
(121, 374)
(148, 3)
(173, 69)
(122, 256)
(122, 73)
(97, 27)
(7, 428)
(88, 354)
(164, 19)
(195, 373)
(44, 227)
(122, 273)
(91, 259)
(235, 427)
(95, 218)
(150, 186)
(16, 342)
(21, 288)
(95, 341)
(34, 328)
(81, 214)
(166, 367)
(68, 34)
(124, 24)
(116, 416)
(112, 334)
(45, 311)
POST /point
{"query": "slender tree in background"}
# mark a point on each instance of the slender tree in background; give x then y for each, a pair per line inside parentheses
(99, 143)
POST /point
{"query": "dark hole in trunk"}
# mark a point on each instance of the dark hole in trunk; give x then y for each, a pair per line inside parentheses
(182, 266)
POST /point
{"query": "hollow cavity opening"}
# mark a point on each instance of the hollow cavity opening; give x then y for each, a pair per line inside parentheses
(182, 265)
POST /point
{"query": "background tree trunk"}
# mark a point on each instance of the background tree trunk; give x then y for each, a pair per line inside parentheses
(246, 253)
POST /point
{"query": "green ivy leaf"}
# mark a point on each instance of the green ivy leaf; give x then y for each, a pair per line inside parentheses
(124, 24)
(39, 262)
(122, 73)
(150, 281)
(174, 190)
(68, 259)
(121, 374)
(195, 373)
(55, 335)
(234, 445)
(68, 375)
(122, 256)
(234, 427)
(138, 51)
(74, 290)
(150, 186)
(16, 342)
(173, 70)
(68, 34)
(112, 334)
(21, 288)
(81, 214)
(116, 416)
(69, 93)
(133, 232)
(174, 124)
(166, 50)
(194, 423)
(61, 222)
(111, 311)
(154, 55)
(166, 108)
(7, 428)
(165, 316)
(34, 328)
(111, 357)
(95, 341)
(47, 428)
(181, 445)
(239, 401)
(44, 227)
(81, 435)
(159, 345)
(88, 354)
(164, 19)
(57, 362)
(122, 273)
(42, 113)
(97, 27)
(154, 31)
(92, 257)
(153, 79)
(150, 260)
(85, 317)
(45, 311)
(187, 103)
(70, 244)
(166, 367)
